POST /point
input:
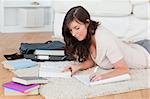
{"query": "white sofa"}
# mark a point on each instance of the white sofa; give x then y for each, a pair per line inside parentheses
(128, 19)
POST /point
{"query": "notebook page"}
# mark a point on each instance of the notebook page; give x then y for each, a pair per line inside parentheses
(85, 79)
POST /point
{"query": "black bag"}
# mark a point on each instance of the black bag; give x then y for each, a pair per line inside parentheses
(27, 51)
(13, 56)
(29, 48)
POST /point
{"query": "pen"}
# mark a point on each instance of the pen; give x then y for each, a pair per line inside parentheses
(95, 70)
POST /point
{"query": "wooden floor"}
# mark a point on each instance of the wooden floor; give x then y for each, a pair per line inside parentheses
(9, 43)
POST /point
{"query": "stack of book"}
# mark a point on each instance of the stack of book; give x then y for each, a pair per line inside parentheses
(20, 86)
(47, 54)
(18, 64)
(55, 52)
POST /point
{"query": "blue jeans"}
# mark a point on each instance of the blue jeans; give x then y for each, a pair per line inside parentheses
(145, 43)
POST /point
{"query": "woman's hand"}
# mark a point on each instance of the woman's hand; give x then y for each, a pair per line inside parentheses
(120, 67)
(95, 77)
(73, 68)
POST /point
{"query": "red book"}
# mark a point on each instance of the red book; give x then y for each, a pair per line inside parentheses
(20, 87)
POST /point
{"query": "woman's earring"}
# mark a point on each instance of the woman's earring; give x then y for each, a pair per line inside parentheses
(87, 20)
(73, 34)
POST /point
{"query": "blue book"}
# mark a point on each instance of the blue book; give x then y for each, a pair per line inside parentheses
(11, 92)
(19, 64)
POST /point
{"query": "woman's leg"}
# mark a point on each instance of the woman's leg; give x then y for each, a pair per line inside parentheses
(145, 43)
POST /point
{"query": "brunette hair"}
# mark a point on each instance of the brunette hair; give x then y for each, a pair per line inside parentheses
(74, 48)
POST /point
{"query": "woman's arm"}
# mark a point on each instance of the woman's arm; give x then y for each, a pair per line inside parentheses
(120, 67)
(76, 67)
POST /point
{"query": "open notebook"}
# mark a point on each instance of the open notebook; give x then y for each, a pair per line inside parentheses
(53, 69)
(85, 79)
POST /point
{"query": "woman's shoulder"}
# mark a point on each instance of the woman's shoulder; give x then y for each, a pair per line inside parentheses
(103, 33)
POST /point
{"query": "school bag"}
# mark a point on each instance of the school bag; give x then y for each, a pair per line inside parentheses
(29, 48)
(27, 51)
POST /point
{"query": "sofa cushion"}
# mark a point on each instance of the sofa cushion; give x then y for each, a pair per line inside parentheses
(130, 27)
(58, 22)
(62, 6)
(103, 8)
(108, 7)
(141, 11)
(134, 2)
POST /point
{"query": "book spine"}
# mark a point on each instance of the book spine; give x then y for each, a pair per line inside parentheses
(49, 52)
(11, 92)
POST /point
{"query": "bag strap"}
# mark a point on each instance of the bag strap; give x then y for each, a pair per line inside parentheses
(13, 56)
(48, 42)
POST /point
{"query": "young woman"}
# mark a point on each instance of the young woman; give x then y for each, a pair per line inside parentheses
(92, 44)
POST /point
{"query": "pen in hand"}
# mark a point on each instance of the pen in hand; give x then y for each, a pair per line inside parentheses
(95, 70)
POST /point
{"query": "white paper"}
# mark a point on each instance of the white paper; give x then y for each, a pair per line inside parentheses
(85, 79)
(54, 69)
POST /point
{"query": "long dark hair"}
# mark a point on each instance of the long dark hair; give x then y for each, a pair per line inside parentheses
(79, 50)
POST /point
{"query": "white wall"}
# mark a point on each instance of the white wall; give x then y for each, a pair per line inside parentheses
(0, 15)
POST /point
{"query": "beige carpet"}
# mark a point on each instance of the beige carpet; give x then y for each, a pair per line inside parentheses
(71, 88)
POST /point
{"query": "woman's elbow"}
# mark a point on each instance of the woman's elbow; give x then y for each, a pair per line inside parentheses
(122, 66)
(125, 69)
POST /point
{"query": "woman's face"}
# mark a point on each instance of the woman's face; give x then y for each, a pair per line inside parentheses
(78, 30)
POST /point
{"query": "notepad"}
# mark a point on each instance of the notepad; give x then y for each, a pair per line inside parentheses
(54, 69)
(85, 79)
(18, 64)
